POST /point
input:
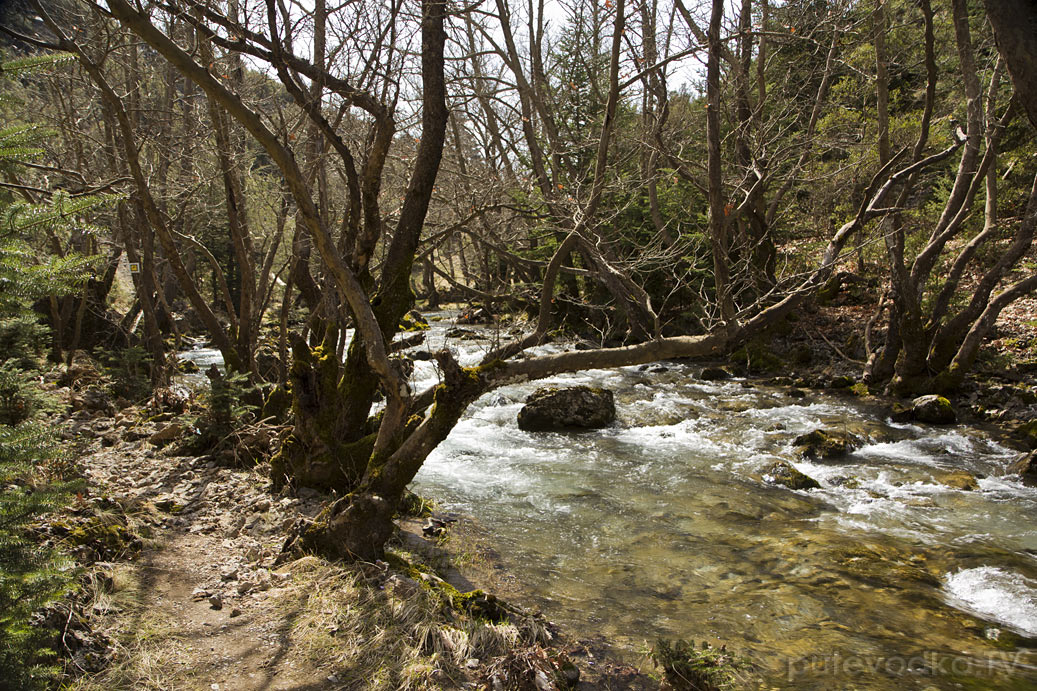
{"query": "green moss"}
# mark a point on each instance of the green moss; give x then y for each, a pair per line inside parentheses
(822, 444)
(476, 603)
(414, 505)
(413, 321)
(277, 403)
(705, 668)
(107, 535)
(860, 389)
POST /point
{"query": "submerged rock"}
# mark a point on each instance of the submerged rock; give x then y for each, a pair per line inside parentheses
(782, 473)
(959, 479)
(579, 407)
(932, 409)
(824, 444)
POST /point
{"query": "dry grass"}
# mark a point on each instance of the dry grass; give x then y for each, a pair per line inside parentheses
(147, 651)
(388, 632)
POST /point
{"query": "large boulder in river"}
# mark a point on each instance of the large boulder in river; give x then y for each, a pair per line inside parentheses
(933, 409)
(824, 444)
(782, 473)
(576, 407)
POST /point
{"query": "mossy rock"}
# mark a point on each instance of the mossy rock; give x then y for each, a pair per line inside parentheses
(931, 409)
(413, 505)
(841, 382)
(822, 444)
(783, 473)
(1027, 433)
(576, 407)
(475, 603)
(413, 321)
(107, 536)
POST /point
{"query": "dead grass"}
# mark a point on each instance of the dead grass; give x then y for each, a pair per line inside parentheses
(386, 631)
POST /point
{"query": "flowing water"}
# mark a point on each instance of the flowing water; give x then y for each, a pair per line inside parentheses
(661, 526)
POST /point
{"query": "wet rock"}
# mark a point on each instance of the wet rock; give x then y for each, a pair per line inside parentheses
(932, 409)
(959, 479)
(1027, 433)
(822, 444)
(462, 334)
(421, 356)
(841, 382)
(568, 671)
(166, 434)
(579, 407)
(1025, 465)
(188, 366)
(714, 374)
(782, 473)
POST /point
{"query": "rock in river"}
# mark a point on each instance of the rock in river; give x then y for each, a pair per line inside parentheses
(933, 409)
(782, 473)
(959, 479)
(577, 407)
(1025, 465)
(824, 444)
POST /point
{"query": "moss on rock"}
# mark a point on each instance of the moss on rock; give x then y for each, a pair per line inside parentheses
(822, 444)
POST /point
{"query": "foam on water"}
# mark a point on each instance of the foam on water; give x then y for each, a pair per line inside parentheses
(993, 593)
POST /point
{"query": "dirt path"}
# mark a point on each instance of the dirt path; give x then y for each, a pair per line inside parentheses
(199, 609)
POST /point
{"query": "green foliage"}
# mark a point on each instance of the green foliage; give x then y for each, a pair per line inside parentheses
(688, 668)
(128, 371)
(33, 467)
(20, 397)
(32, 575)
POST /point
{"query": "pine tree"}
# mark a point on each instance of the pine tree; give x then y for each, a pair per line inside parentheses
(32, 469)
